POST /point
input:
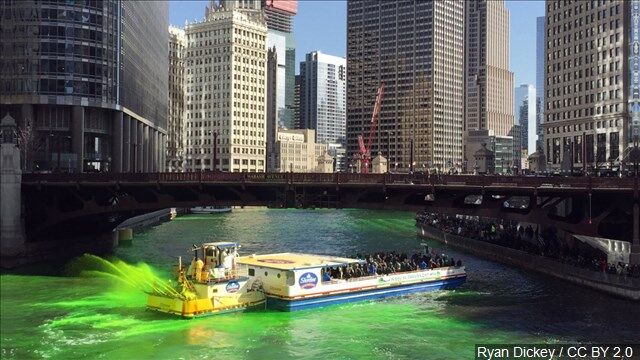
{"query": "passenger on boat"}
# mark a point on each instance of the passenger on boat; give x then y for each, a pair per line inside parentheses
(325, 275)
(372, 269)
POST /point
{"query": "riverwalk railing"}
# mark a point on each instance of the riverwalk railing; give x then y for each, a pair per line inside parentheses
(530, 261)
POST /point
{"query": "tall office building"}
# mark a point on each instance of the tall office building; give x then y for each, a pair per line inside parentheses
(416, 49)
(226, 81)
(175, 118)
(297, 123)
(288, 114)
(587, 119)
(88, 82)
(278, 15)
(488, 81)
(540, 56)
(526, 115)
(633, 71)
(323, 86)
(275, 91)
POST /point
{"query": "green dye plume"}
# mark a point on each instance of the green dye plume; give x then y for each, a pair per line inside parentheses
(140, 276)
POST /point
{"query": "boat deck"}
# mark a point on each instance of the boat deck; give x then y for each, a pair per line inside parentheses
(294, 261)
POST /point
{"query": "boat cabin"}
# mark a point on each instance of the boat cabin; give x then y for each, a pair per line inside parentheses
(291, 274)
(215, 262)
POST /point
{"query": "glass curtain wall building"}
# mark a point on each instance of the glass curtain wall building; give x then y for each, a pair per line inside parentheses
(87, 82)
(323, 86)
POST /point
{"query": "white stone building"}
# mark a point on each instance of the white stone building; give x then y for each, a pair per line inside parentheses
(226, 91)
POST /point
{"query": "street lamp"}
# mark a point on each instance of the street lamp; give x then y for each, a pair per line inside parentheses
(411, 156)
(51, 135)
(389, 147)
(214, 166)
(135, 156)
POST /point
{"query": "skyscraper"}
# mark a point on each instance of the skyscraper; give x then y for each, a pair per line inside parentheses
(175, 118)
(525, 110)
(416, 49)
(323, 86)
(633, 71)
(586, 120)
(278, 15)
(276, 81)
(88, 82)
(488, 81)
(297, 123)
(540, 95)
(226, 91)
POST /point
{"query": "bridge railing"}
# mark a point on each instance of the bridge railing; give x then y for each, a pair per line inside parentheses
(344, 178)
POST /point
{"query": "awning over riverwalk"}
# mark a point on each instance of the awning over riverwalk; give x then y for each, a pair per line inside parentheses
(616, 250)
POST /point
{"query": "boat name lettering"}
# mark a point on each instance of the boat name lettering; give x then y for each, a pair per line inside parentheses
(308, 280)
(233, 286)
(405, 277)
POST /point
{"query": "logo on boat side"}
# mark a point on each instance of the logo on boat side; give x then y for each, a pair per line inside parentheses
(308, 280)
(233, 286)
(276, 261)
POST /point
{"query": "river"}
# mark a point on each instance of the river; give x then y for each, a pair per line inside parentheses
(72, 314)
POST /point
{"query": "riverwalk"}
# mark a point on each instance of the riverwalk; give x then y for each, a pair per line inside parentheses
(614, 284)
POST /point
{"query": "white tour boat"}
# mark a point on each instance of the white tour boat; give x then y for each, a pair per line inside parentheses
(210, 209)
(293, 281)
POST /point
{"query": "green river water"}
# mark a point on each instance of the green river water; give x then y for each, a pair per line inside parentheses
(94, 309)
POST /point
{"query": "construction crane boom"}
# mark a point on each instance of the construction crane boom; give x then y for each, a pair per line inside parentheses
(365, 149)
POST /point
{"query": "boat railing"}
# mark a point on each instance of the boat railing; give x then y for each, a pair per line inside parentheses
(369, 277)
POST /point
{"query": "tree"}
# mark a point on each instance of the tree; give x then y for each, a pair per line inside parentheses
(28, 145)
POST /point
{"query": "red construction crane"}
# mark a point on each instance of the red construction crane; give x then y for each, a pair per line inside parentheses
(365, 150)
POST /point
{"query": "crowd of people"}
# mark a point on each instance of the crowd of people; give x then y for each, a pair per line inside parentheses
(544, 242)
(386, 263)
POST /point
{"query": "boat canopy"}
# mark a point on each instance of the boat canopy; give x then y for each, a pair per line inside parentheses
(222, 244)
(294, 261)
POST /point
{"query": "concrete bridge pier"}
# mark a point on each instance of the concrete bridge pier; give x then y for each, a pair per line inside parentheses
(12, 239)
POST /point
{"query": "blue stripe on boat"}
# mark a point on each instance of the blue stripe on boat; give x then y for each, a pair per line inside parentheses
(292, 305)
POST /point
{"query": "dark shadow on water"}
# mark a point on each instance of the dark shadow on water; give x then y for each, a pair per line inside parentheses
(557, 309)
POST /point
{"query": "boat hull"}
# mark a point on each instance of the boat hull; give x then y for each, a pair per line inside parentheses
(284, 304)
(199, 307)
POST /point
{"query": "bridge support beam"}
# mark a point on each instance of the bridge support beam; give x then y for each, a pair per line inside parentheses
(634, 257)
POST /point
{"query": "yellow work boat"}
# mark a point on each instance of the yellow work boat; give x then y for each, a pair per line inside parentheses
(210, 285)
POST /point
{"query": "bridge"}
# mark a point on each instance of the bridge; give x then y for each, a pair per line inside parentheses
(58, 205)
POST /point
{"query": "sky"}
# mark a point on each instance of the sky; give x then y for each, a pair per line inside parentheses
(322, 25)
